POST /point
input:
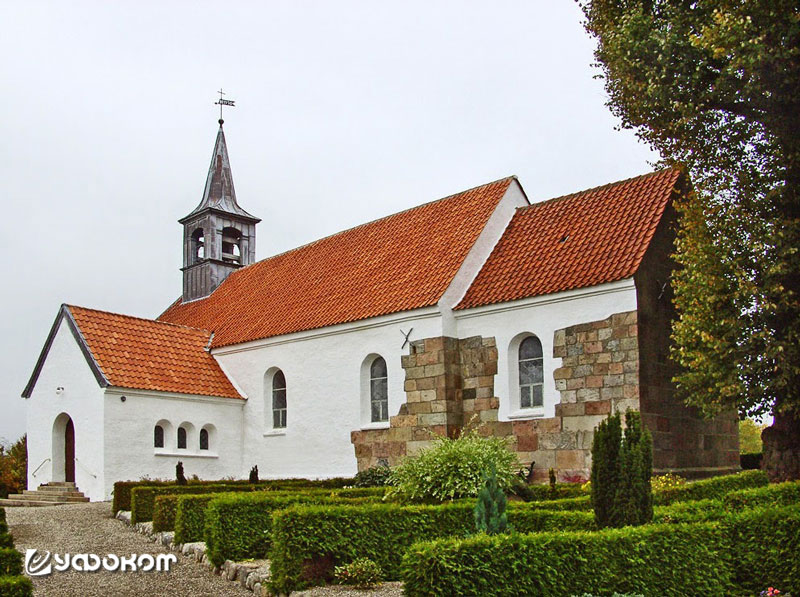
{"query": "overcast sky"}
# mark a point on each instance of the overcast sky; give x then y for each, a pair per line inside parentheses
(345, 112)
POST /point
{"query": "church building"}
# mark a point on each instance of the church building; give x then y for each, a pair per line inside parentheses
(531, 321)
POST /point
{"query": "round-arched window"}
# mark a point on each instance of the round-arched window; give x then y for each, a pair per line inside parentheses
(531, 373)
(378, 391)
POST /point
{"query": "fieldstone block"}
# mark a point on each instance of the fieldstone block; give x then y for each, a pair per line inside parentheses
(571, 459)
(585, 423)
(558, 441)
(601, 407)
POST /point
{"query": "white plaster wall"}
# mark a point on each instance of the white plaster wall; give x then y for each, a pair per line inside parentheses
(129, 451)
(513, 199)
(541, 316)
(323, 371)
(82, 400)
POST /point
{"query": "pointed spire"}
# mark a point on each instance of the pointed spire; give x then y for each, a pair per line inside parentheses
(219, 193)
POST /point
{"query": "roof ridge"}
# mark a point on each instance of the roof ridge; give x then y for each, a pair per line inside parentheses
(602, 187)
(335, 234)
(158, 321)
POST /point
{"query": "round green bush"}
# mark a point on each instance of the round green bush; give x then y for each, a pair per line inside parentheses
(363, 573)
(377, 476)
(454, 468)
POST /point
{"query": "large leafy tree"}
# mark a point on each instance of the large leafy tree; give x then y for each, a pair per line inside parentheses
(714, 85)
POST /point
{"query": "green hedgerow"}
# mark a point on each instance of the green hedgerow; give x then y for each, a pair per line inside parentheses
(362, 573)
(454, 468)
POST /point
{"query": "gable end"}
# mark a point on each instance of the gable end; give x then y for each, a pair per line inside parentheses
(65, 315)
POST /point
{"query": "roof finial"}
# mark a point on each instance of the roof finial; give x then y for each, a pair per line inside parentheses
(223, 102)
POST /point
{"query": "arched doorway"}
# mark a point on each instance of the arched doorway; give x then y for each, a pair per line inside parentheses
(63, 457)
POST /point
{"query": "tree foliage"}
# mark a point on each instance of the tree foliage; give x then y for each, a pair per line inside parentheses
(14, 467)
(714, 85)
(750, 436)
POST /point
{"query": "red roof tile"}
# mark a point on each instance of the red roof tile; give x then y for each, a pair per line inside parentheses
(580, 240)
(151, 355)
(398, 263)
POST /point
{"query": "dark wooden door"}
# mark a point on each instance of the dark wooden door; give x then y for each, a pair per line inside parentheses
(69, 452)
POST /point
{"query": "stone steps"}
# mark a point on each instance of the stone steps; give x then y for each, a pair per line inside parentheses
(49, 494)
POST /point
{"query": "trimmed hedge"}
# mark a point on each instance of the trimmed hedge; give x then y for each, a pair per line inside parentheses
(540, 492)
(143, 498)
(687, 512)
(777, 495)
(765, 549)
(713, 488)
(582, 503)
(189, 524)
(122, 489)
(651, 559)
(308, 541)
(239, 526)
(10, 562)
(2, 514)
(15, 586)
(165, 505)
(6, 540)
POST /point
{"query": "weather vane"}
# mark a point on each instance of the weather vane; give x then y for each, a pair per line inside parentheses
(223, 102)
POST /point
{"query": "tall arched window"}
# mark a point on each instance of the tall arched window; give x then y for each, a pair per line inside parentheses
(378, 391)
(531, 373)
(204, 439)
(158, 436)
(279, 400)
(181, 438)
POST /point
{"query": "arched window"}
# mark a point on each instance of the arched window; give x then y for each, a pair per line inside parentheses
(231, 245)
(158, 436)
(531, 373)
(378, 391)
(204, 439)
(198, 245)
(181, 438)
(278, 400)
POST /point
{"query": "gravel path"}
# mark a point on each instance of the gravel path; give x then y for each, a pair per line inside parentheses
(89, 528)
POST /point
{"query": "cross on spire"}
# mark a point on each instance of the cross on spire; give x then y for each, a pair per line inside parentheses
(223, 102)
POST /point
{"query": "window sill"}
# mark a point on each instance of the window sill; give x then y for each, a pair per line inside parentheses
(527, 413)
(273, 432)
(186, 454)
(376, 425)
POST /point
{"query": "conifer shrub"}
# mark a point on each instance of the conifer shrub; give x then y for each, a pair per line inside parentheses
(253, 478)
(490, 508)
(180, 479)
(622, 466)
(453, 468)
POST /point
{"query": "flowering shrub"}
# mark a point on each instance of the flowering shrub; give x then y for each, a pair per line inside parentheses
(772, 592)
(363, 573)
(667, 481)
(454, 468)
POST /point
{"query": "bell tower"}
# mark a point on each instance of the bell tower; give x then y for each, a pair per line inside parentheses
(218, 235)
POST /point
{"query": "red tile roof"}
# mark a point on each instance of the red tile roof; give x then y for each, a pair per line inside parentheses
(580, 240)
(151, 355)
(398, 263)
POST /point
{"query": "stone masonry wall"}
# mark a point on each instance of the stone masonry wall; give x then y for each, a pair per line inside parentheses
(450, 384)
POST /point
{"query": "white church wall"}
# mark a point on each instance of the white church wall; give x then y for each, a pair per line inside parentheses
(133, 421)
(66, 385)
(513, 199)
(510, 322)
(323, 370)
